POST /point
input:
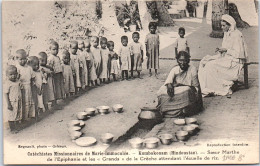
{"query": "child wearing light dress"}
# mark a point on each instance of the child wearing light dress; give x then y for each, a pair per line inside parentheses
(26, 76)
(181, 42)
(124, 57)
(54, 63)
(69, 87)
(47, 81)
(33, 61)
(76, 64)
(114, 68)
(13, 96)
(95, 50)
(91, 64)
(137, 55)
(105, 60)
(84, 69)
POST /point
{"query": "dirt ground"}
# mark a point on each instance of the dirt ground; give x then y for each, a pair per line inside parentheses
(222, 118)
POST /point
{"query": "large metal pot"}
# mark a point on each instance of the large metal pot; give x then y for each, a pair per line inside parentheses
(150, 115)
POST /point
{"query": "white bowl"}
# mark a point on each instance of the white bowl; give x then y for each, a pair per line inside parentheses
(166, 139)
(73, 123)
(190, 120)
(82, 115)
(75, 134)
(136, 143)
(107, 138)
(182, 135)
(74, 128)
(179, 121)
(151, 142)
(90, 111)
(117, 108)
(103, 109)
(189, 129)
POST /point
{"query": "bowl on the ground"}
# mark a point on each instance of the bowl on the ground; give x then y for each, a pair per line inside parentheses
(103, 109)
(179, 121)
(73, 128)
(82, 115)
(90, 111)
(136, 143)
(107, 138)
(74, 123)
(189, 129)
(82, 123)
(196, 126)
(117, 108)
(182, 135)
(151, 143)
(190, 120)
(166, 139)
(75, 134)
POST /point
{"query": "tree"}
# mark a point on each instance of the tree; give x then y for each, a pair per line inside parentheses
(219, 7)
(164, 17)
(235, 14)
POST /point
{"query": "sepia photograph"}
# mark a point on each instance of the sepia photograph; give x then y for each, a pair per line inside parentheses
(130, 82)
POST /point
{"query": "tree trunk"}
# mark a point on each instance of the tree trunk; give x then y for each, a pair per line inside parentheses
(164, 17)
(218, 9)
(235, 14)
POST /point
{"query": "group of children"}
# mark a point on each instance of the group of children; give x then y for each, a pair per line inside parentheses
(35, 82)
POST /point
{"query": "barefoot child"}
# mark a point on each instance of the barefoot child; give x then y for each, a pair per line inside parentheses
(91, 64)
(76, 65)
(137, 55)
(33, 61)
(181, 42)
(97, 55)
(124, 57)
(26, 78)
(105, 60)
(84, 69)
(47, 81)
(69, 87)
(114, 57)
(13, 96)
(152, 43)
(55, 64)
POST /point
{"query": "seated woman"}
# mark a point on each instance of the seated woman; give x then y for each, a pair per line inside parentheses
(217, 73)
(180, 94)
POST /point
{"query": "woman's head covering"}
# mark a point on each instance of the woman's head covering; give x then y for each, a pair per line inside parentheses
(230, 20)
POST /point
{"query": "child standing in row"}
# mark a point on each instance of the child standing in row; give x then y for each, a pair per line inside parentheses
(69, 87)
(137, 55)
(47, 82)
(181, 42)
(152, 43)
(55, 65)
(26, 78)
(97, 56)
(33, 61)
(114, 57)
(91, 64)
(105, 60)
(124, 57)
(76, 65)
(13, 96)
(84, 69)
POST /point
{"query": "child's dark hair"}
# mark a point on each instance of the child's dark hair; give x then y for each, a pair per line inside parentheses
(32, 60)
(65, 53)
(10, 68)
(124, 38)
(181, 29)
(95, 38)
(183, 53)
(73, 42)
(103, 39)
(135, 33)
(109, 43)
(152, 24)
(21, 52)
(43, 55)
(54, 43)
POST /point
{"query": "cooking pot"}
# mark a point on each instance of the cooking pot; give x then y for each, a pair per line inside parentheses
(150, 114)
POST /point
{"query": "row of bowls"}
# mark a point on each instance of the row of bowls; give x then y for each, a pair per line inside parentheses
(191, 128)
(74, 129)
(117, 108)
